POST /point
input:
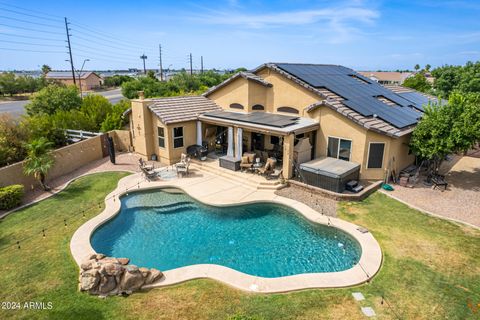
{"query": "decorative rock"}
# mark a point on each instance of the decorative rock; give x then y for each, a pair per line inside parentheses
(89, 279)
(107, 284)
(145, 272)
(153, 276)
(132, 280)
(103, 276)
(87, 265)
(99, 256)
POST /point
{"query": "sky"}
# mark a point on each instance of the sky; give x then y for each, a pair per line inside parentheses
(363, 35)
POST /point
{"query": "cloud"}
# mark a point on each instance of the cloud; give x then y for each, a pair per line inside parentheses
(337, 23)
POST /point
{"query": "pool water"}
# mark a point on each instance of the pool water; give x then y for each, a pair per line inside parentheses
(167, 229)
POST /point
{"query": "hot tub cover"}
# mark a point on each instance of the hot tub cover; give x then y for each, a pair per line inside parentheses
(330, 167)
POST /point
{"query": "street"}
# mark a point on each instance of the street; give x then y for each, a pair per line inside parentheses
(16, 108)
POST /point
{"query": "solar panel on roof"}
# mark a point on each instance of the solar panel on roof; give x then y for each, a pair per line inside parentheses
(359, 96)
(419, 99)
(261, 118)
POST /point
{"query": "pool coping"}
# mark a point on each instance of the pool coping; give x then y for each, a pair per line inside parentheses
(368, 265)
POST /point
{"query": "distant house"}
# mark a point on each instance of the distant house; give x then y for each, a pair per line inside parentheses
(387, 77)
(88, 80)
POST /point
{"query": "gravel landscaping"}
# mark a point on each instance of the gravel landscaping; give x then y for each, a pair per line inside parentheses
(313, 200)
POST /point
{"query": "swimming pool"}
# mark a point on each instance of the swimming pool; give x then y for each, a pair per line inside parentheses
(167, 229)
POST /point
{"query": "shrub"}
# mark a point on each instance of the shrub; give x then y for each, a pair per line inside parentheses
(11, 196)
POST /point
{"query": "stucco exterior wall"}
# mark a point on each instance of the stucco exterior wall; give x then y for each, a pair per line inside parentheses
(67, 159)
(235, 92)
(91, 82)
(142, 128)
(121, 139)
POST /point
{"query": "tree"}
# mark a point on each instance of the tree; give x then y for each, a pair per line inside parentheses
(418, 82)
(45, 69)
(12, 139)
(151, 74)
(427, 67)
(449, 128)
(8, 84)
(115, 119)
(417, 67)
(39, 160)
(53, 98)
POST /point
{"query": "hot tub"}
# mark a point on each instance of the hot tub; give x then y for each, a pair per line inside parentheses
(329, 173)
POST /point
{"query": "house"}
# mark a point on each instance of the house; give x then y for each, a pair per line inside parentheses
(328, 110)
(87, 79)
(387, 77)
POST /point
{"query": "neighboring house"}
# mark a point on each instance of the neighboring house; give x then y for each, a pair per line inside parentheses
(387, 77)
(338, 112)
(89, 80)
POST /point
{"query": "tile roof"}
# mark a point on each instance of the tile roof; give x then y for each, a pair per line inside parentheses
(68, 74)
(335, 102)
(243, 74)
(180, 109)
(387, 75)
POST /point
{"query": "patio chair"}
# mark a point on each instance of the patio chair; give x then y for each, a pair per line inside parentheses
(182, 167)
(247, 161)
(276, 174)
(149, 174)
(144, 165)
(269, 166)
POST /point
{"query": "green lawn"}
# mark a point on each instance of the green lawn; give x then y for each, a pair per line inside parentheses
(431, 269)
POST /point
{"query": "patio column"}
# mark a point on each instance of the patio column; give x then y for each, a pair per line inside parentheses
(239, 145)
(288, 142)
(230, 142)
(199, 133)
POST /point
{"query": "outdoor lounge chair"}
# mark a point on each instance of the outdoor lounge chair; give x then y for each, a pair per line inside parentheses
(276, 174)
(269, 166)
(144, 165)
(247, 161)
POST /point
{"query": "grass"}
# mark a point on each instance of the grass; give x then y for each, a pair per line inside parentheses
(431, 269)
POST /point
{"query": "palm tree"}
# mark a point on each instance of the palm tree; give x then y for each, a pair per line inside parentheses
(39, 160)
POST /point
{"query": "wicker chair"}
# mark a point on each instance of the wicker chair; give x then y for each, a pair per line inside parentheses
(269, 166)
(247, 161)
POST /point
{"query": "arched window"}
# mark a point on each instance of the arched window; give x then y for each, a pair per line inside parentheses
(258, 107)
(236, 106)
(287, 110)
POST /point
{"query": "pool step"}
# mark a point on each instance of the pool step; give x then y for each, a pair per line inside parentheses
(247, 179)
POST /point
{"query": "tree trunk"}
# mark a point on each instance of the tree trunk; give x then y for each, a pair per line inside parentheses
(42, 182)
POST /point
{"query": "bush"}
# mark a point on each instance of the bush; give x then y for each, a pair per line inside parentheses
(11, 196)
(54, 98)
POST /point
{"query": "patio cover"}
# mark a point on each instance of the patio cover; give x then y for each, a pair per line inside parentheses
(262, 121)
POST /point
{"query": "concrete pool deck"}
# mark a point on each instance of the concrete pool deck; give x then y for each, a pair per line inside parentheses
(215, 190)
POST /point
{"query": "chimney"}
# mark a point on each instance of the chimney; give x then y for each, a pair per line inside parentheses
(141, 95)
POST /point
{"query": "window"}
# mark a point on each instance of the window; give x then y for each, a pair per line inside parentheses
(287, 110)
(178, 137)
(161, 137)
(258, 107)
(236, 106)
(375, 155)
(274, 140)
(339, 148)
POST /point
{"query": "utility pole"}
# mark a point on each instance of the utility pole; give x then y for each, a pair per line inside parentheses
(144, 57)
(70, 51)
(191, 70)
(161, 67)
(201, 64)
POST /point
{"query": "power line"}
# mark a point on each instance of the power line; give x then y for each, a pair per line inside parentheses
(28, 15)
(31, 44)
(29, 37)
(30, 29)
(27, 50)
(30, 22)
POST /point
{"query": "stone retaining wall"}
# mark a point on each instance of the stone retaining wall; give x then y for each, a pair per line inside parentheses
(340, 196)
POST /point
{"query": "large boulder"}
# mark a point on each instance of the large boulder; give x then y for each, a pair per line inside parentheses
(103, 276)
(89, 279)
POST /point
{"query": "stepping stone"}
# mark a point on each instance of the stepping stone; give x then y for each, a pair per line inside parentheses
(358, 296)
(369, 312)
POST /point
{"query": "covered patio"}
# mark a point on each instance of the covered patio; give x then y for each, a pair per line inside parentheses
(258, 135)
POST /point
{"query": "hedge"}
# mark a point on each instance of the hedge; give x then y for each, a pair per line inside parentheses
(11, 196)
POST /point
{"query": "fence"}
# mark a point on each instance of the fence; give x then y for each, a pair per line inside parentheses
(67, 159)
(78, 135)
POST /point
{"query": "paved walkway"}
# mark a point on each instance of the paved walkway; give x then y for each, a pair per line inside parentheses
(461, 200)
(124, 162)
